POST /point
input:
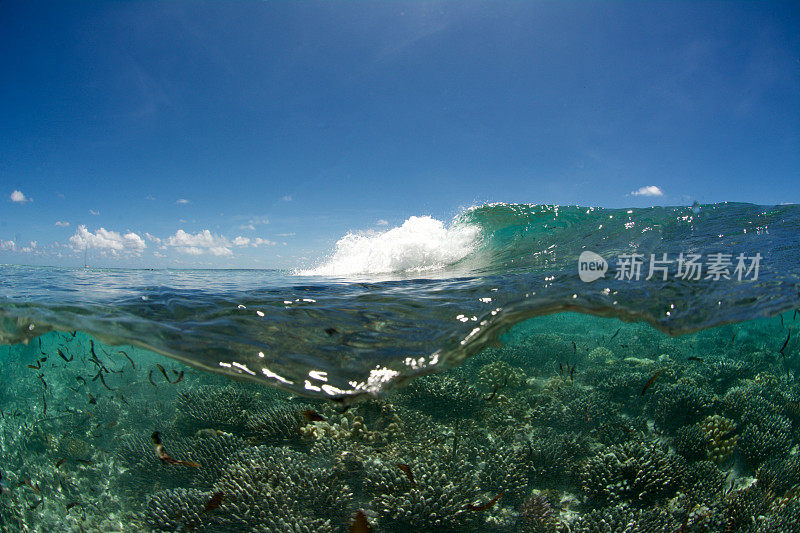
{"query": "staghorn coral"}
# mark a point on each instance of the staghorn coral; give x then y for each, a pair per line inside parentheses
(601, 356)
(441, 395)
(703, 483)
(624, 519)
(176, 509)
(276, 424)
(537, 515)
(267, 487)
(769, 436)
(209, 407)
(505, 470)
(780, 474)
(639, 473)
(436, 501)
(720, 437)
(553, 458)
(690, 442)
(499, 374)
(679, 404)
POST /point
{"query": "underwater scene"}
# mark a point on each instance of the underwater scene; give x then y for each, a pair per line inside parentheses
(535, 369)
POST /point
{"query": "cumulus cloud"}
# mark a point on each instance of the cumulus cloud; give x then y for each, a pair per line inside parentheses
(650, 190)
(199, 243)
(19, 198)
(382, 222)
(61, 224)
(8, 246)
(241, 241)
(93, 212)
(258, 241)
(182, 201)
(104, 239)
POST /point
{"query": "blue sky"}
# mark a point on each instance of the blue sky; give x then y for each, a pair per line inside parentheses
(211, 133)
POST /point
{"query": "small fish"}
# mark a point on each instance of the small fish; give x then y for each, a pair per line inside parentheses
(71, 505)
(214, 502)
(572, 372)
(360, 523)
(615, 334)
(623, 345)
(180, 377)
(407, 471)
(733, 338)
(794, 315)
(60, 462)
(695, 358)
(486, 505)
(43, 359)
(574, 348)
(80, 378)
(331, 331)
(84, 461)
(161, 453)
(789, 336)
(651, 381)
(92, 399)
(313, 416)
(129, 359)
(35, 505)
(41, 378)
(37, 366)
(150, 377)
(163, 372)
(103, 381)
(64, 357)
(782, 326)
(111, 424)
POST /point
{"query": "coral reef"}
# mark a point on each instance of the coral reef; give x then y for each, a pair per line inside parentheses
(511, 441)
(720, 437)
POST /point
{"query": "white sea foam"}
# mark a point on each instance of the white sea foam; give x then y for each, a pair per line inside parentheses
(421, 244)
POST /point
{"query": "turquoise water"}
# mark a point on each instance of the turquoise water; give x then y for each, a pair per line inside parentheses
(455, 378)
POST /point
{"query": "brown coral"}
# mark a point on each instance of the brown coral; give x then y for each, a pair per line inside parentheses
(719, 434)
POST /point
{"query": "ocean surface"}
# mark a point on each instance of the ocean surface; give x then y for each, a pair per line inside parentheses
(519, 368)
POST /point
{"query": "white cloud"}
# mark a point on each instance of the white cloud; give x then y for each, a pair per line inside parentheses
(287, 198)
(152, 238)
(149, 197)
(93, 212)
(103, 239)
(30, 248)
(286, 234)
(19, 198)
(247, 226)
(650, 190)
(382, 222)
(241, 241)
(61, 224)
(8, 246)
(199, 243)
(258, 241)
(182, 201)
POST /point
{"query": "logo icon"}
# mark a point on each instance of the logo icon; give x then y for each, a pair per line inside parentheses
(591, 266)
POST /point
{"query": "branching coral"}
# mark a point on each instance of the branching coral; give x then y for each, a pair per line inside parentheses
(635, 472)
(720, 437)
